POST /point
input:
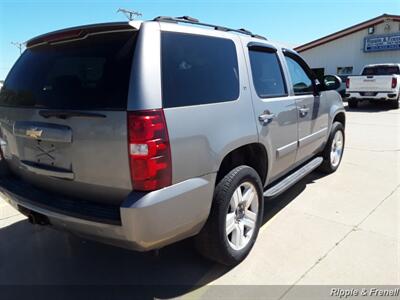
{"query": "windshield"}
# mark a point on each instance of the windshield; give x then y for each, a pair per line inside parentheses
(381, 70)
(92, 73)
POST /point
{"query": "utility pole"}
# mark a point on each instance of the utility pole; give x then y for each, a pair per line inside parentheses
(130, 14)
(19, 45)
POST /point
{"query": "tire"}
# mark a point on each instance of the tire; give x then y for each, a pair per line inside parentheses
(395, 103)
(352, 103)
(213, 241)
(330, 165)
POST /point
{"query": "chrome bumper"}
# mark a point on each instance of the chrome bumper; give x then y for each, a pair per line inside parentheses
(379, 96)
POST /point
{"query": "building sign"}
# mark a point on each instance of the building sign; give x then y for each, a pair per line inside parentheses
(382, 42)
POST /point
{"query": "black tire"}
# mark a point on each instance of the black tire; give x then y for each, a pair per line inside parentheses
(395, 103)
(352, 103)
(326, 165)
(212, 241)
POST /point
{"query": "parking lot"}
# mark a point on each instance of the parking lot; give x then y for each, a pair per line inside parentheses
(341, 229)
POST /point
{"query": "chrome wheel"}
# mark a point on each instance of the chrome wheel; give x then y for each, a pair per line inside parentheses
(337, 148)
(241, 218)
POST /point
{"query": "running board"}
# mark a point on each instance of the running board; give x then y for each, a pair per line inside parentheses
(293, 178)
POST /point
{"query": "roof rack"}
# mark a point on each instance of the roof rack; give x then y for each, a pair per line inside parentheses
(190, 20)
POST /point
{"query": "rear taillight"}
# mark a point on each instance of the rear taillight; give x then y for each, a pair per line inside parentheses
(149, 150)
(394, 82)
(347, 83)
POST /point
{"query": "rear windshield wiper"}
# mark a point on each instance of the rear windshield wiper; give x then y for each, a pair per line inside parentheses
(66, 114)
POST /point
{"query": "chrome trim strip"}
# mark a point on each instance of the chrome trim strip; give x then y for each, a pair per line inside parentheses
(285, 150)
(313, 137)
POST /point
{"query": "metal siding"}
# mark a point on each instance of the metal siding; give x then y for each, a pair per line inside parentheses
(348, 51)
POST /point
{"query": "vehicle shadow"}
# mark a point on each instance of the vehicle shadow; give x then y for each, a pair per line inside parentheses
(41, 258)
(368, 107)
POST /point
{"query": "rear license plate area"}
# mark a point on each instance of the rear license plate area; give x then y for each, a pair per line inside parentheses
(368, 94)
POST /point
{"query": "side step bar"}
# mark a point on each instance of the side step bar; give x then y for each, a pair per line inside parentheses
(293, 178)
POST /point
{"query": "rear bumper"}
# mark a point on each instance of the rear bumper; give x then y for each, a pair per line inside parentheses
(148, 221)
(389, 95)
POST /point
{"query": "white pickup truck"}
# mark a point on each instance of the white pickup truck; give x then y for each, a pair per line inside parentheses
(376, 82)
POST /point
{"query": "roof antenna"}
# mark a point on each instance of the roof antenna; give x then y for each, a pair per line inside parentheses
(130, 14)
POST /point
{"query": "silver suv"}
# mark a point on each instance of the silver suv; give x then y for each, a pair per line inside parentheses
(142, 134)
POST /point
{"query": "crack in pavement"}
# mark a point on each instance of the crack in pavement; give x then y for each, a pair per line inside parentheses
(355, 228)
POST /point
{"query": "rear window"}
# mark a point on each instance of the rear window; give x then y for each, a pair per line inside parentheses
(88, 74)
(381, 70)
(198, 70)
(267, 74)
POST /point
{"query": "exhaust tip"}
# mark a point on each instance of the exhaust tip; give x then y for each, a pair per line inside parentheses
(38, 219)
(31, 219)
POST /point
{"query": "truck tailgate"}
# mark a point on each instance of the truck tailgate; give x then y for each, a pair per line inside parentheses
(370, 83)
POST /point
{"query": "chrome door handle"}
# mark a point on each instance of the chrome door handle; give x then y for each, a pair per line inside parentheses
(266, 118)
(303, 111)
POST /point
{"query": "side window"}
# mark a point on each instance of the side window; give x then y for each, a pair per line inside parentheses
(198, 69)
(267, 74)
(302, 83)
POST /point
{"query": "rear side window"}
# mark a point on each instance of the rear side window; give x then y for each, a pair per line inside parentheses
(267, 74)
(198, 70)
(91, 74)
(381, 70)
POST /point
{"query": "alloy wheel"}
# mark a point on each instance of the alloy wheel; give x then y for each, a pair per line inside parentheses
(241, 218)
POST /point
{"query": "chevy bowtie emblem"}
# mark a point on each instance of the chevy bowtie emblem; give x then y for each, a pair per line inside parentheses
(34, 133)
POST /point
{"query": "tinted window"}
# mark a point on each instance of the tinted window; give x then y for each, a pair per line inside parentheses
(267, 74)
(344, 70)
(301, 81)
(88, 74)
(381, 70)
(198, 70)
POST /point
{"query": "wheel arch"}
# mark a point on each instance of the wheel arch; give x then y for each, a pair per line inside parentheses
(340, 117)
(254, 155)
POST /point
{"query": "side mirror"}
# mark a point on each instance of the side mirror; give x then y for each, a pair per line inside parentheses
(332, 82)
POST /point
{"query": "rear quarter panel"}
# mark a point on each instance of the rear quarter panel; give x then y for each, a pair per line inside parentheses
(202, 135)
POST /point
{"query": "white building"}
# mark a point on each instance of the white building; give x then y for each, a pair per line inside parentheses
(347, 51)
